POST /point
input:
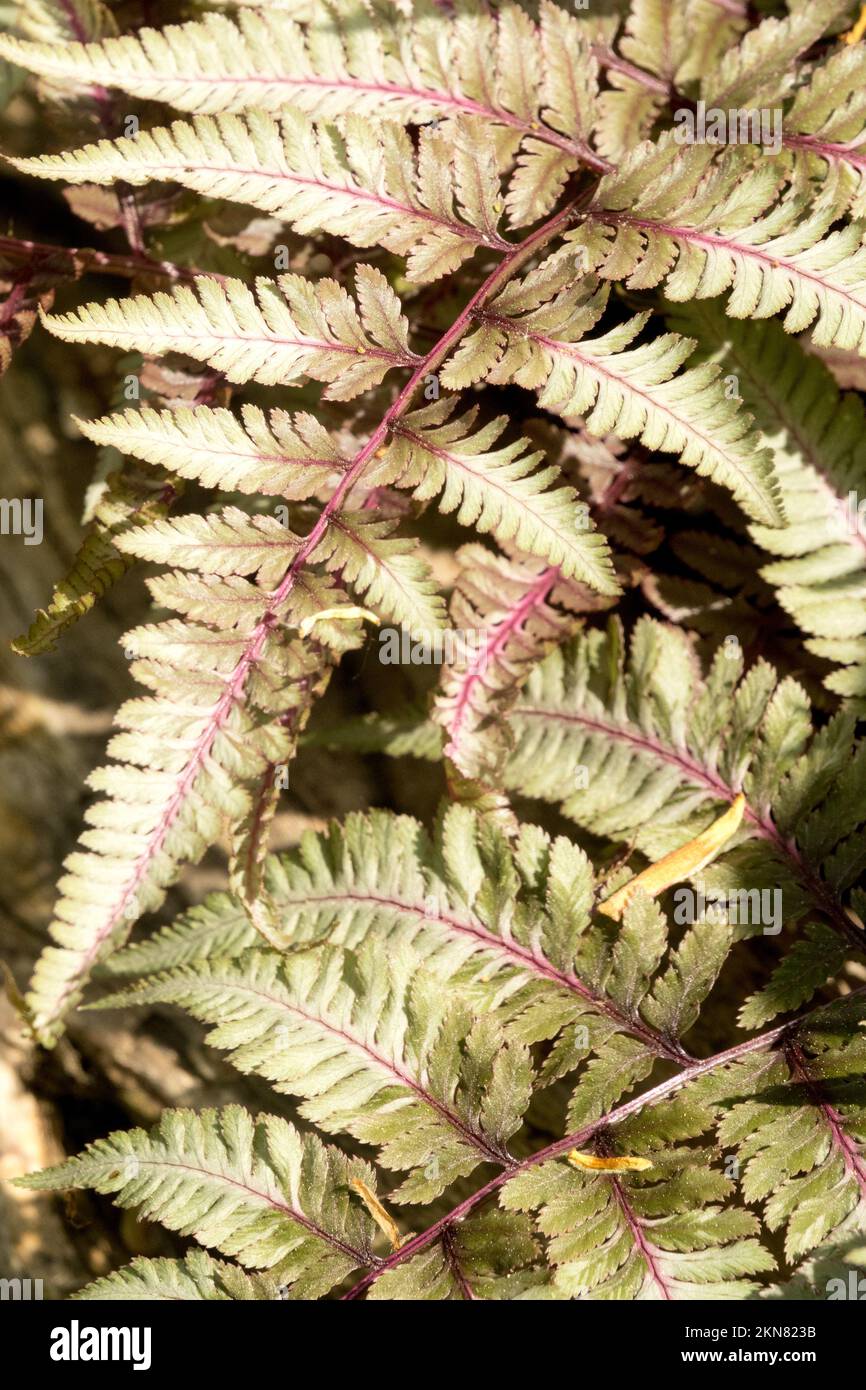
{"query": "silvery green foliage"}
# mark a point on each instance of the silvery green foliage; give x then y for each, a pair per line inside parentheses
(544, 316)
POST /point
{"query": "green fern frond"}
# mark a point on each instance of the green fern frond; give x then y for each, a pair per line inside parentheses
(533, 334)
(255, 1190)
(496, 489)
(375, 1047)
(230, 542)
(196, 1278)
(532, 85)
(799, 1136)
(662, 1235)
(290, 329)
(363, 182)
(510, 923)
(818, 438)
(655, 744)
(489, 1256)
(812, 961)
(218, 928)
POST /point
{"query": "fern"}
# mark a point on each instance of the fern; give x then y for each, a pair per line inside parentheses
(659, 743)
(352, 183)
(286, 330)
(816, 435)
(323, 1023)
(193, 1279)
(543, 374)
(539, 103)
(533, 334)
(412, 1078)
(256, 1191)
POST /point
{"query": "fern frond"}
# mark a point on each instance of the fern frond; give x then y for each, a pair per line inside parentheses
(658, 744)
(383, 571)
(657, 37)
(511, 923)
(289, 329)
(533, 333)
(195, 1278)
(183, 763)
(51, 24)
(694, 1246)
(702, 223)
(661, 1235)
(830, 1270)
(218, 928)
(237, 701)
(818, 438)
(127, 503)
(364, 182)
(497, 490)
(799, 1136)
(489, 1256)
(533, 85)
(285, 455)
(514, 609)
(230, 542)
(760, 70)
(811, 962)
(375, 1048)
(255, 1190)
(826, 124)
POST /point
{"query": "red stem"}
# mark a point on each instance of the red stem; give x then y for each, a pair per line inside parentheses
(82, 259)
(581, 1137)
(236, 680)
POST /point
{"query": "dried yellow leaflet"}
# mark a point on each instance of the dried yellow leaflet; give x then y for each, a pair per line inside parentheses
(855, 34)
(591, 1163)
(343, 614)
(680, 863)
(382, 1218)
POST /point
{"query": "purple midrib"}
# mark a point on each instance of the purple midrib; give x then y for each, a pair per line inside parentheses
(598, 367)
(354, 193)
(222, 451)
(433, 97)
(506, 629)
(647, 1252)
(359, 1257)
(841, 1141)
(704, 238)
(762, 822)
(475, 1139)
(507, 947)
